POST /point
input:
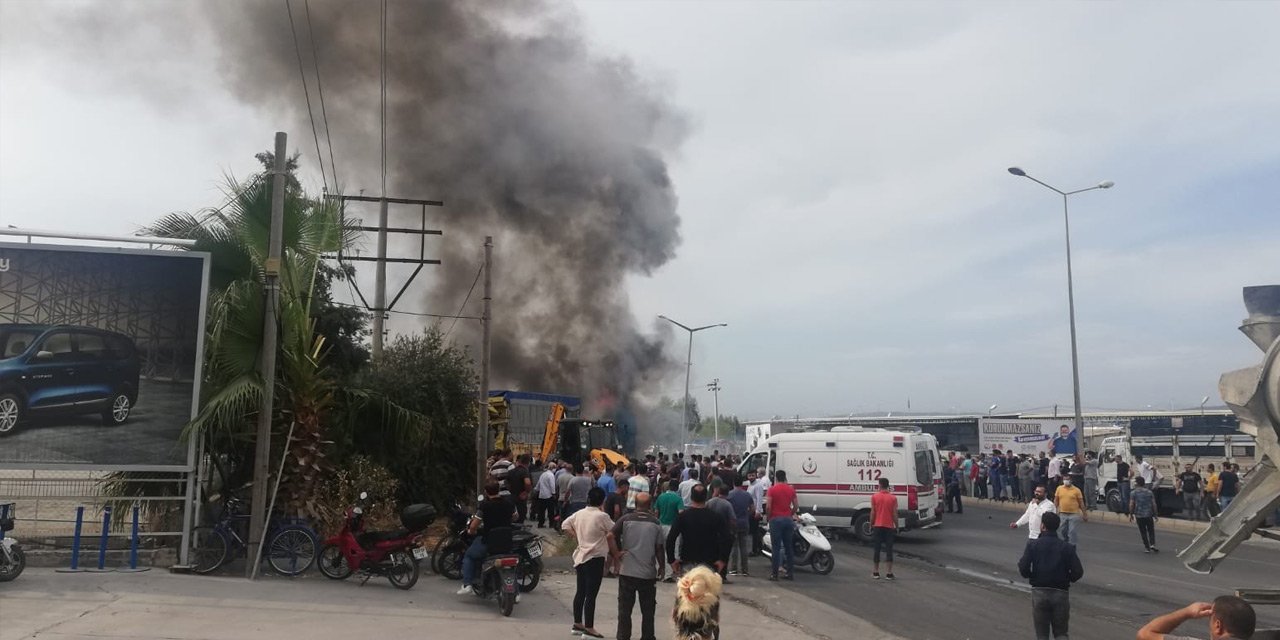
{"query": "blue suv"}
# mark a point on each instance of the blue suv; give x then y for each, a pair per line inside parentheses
(65, 370)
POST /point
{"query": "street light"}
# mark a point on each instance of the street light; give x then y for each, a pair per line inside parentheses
(1071, 299)
(992, 408)
(1202, 402)
(688, 363)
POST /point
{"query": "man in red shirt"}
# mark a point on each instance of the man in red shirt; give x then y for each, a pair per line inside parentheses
(780, 504)
(884, 526)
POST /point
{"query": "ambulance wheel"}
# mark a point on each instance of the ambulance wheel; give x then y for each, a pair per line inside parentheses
(862, 526)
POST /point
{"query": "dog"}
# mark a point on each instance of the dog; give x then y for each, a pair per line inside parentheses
(697, 610)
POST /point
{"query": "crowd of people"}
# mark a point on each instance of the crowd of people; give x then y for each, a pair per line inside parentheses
(653, 520)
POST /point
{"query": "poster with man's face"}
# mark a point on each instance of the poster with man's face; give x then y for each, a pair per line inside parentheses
(1027, 436)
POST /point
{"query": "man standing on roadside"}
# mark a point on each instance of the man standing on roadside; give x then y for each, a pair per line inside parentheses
(1091, 480)
(686, 487)
(1142, 507)
(1026, 470)
(780, 504)
(668, 506)
(1070, 504)
(636, 544)
(1190, 486)
(1034, 515)
(703, 536)
(544, 497)
(520, 485)
(1230, 618)
(1053, 479)
(575, 498)
(1228, 484)
(719, 504)
(1123, 481)
(1051, 565)
(744, 513)
(759, 485)
(884, 526)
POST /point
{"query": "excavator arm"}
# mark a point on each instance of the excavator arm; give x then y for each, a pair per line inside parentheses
(552, 433)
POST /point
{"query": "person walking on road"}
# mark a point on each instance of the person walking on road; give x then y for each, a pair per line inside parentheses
(1050, 565)
(1191, 487)
(1230, 618)
(955, 488)
(780, 504)
(590, 527)
(1123, 482)
(884, 526)
(1142, 508)
(1070, 506)
(1034, 514)
(636, 543)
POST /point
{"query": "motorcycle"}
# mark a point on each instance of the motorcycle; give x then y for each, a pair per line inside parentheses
(12, 559)
(499, 572)
(525, 544)
(392, 554)
(811, 547)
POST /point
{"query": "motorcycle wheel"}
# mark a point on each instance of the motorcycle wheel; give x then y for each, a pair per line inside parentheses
(529, 574)
(403, 573)
(451, 561)
(506, 602)
(823, 562)
(333, 563)
(11, 570)
(437, 553)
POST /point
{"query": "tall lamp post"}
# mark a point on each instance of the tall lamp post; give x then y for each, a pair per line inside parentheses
(688, 363)
(1071, 300)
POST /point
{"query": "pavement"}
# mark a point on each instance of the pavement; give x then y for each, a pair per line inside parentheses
(160, 605)
(961, 580)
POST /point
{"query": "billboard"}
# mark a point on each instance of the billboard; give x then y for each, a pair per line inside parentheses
(100, 355)
(1053, 436)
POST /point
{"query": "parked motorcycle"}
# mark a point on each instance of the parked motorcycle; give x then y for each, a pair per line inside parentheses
(499, 572)
(527, 545)
(12, 559)
(811, 547)
(391, 554)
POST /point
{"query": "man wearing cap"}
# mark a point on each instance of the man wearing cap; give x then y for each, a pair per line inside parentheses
(744, 512)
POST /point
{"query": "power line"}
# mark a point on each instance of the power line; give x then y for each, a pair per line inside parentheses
(310, 113)
(383, 96)
(465, 300)
(411, 313)
(315, 59)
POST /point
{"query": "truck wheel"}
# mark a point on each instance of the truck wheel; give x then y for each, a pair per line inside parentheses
(1113, 501)
(862, 526)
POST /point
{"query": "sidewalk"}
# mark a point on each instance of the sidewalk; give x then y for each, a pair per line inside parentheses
(1101, 514)
(159, 605)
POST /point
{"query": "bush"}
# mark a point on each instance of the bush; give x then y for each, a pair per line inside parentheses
(339, 491)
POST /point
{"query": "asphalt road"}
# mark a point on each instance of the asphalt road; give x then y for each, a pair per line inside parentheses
(961, 581)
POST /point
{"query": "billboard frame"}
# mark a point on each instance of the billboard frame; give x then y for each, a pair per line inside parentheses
(205, 266)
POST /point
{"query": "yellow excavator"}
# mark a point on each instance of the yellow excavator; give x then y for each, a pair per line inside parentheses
(576, 441)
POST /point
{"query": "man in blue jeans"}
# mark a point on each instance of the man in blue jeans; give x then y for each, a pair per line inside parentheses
(493, 513)
(780, 505)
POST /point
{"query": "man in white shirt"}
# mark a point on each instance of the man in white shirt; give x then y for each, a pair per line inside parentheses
(686, 490)
(758, 487)
(1147, 472)
(1035, 510)
(544, 498)
(1054, 473)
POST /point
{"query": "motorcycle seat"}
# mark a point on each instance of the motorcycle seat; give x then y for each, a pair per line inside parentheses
(373, 537)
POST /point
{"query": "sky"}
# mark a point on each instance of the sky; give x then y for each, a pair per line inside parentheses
(844, 200)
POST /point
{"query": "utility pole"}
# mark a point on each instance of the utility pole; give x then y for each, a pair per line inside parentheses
(482, 429)
(271, 291)
(380, 278)
(714, 388)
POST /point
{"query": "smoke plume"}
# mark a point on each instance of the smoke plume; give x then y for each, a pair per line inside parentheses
(505, 113)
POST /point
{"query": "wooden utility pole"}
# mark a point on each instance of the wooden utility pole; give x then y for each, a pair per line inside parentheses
(271, 302)
(482, 428)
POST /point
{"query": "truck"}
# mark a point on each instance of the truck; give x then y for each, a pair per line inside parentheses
(1169, 444)
(519, 419)
(836, 472)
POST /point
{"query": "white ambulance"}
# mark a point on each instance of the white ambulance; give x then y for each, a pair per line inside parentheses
(837, 472)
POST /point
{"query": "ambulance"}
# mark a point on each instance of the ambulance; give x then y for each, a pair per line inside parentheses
(836, 472)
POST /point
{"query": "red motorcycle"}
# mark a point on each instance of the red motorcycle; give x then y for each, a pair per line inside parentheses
(393, 554)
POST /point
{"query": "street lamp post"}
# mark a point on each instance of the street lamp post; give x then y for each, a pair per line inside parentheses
(991, 409)
(688, 363)
(1071, 299)
(714, 388)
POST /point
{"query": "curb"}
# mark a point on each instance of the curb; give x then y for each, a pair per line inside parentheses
(1108, 517)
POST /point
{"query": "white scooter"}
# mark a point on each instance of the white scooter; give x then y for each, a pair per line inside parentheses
(811, 546)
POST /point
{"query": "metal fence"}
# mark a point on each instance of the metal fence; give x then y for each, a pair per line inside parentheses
(46, 503)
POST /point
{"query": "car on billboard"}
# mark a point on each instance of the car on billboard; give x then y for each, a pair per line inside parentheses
(61, 370)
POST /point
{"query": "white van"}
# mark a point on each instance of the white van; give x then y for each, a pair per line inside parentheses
(837, 471)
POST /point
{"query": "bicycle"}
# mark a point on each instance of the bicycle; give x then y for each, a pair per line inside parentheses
(290, 546)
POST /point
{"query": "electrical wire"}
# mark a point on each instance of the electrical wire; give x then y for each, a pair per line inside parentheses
(315, 59)
(415, 313)
(315, 135)
(465, 300)
(383, 95)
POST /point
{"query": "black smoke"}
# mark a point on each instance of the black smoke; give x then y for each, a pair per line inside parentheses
(504, 112)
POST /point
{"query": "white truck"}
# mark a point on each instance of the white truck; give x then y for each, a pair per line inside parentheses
(1169, 454)
(836, 472)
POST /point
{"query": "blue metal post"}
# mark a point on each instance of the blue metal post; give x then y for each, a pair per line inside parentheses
(75, 542)
(102, 543)
(133, 541)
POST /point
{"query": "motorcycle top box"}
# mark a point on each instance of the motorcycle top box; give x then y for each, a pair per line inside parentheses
(416, 517)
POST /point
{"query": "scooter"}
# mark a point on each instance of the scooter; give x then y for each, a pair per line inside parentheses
(447, 558)
(811, 546)
(392, 554)
(499, 573)
(12, 559)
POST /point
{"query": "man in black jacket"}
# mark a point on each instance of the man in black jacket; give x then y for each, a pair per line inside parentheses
(703, 534)
(1051, 565)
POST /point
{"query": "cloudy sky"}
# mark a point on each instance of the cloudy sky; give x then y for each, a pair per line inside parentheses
(843, 190)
